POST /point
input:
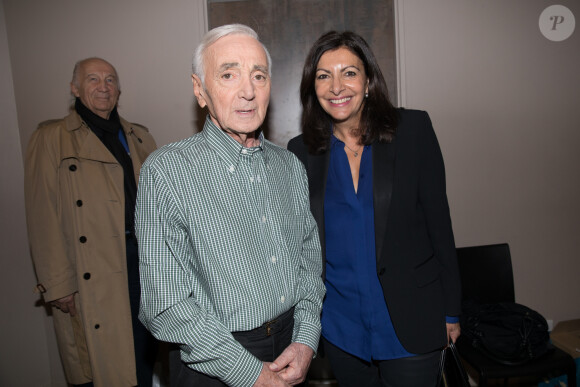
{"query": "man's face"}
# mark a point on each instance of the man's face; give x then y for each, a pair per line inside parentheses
(97, 87)
(237, 85)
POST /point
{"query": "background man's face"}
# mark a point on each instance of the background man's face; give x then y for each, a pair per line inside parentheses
(98, 87)
(237, 85)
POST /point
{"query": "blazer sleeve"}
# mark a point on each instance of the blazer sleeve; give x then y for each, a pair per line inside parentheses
(433, 199)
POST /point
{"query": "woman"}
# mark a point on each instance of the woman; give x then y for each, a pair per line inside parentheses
(377, 191)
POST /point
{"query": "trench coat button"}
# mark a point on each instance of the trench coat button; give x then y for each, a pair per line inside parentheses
(79, 203)
(72, 168)
(382, 271)
(83, 239)
(87, 276)
(97, 326)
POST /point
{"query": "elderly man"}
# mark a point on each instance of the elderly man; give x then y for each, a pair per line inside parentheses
(81, 183)
(229, 251)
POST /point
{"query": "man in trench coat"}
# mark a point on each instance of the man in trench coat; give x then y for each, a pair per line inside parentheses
(80, 186)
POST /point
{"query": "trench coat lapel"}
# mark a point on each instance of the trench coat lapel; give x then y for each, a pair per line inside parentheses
(383, 176)
(93, 149)
(89, 145)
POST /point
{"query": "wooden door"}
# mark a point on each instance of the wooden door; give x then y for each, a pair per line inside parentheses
(288, 28)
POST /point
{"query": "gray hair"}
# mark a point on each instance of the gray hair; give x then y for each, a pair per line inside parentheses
(75, 78)
(219, 32)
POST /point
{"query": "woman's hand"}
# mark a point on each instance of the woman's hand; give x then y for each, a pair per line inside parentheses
(453, 331)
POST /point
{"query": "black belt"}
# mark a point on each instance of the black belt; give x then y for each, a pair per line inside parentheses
(270, 327)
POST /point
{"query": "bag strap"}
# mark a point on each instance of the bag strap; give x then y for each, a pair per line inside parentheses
(440, 382)
(459, 365)
(452, 349)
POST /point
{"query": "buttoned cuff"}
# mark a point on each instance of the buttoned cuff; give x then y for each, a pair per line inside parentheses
(308, 334)
(55, 291)
(245, 372)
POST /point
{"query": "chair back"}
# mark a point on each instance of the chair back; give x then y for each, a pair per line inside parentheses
(486, 273)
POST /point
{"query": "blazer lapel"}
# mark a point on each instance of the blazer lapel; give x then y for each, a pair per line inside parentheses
(383, 177)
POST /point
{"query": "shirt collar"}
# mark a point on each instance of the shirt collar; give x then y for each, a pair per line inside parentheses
(334, 140)
(228, 149)
(335, 143)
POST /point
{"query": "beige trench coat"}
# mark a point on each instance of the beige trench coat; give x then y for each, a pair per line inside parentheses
(76, 225)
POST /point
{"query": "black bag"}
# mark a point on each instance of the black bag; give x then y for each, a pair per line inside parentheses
(451, 371)
(508, 333)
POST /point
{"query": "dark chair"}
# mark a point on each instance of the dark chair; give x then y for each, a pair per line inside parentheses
(487, 277)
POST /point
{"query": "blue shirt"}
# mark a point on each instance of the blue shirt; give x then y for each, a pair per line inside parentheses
(355, 316)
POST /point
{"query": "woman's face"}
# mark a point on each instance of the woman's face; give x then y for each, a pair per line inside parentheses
(340, 85)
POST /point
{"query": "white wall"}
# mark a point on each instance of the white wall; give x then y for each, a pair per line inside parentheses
(505, 102)
(17, 346)
(150, 43)
(503, 99)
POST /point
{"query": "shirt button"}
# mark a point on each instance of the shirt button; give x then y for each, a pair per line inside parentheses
(263, 218)
(282, 299)
(231, 168)
(251, 179)
(273, 259)
(258, 178)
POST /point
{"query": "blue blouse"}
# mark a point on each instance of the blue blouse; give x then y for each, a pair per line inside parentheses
(355, 316)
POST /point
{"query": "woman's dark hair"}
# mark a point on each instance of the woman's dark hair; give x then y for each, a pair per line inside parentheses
(379, 116)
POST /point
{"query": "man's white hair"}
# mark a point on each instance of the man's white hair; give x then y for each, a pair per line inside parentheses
(219, 32)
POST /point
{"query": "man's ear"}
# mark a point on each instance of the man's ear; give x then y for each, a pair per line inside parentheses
(74, 90)
(198, 91)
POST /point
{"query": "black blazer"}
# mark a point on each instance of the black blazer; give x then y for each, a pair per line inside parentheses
(416, 259)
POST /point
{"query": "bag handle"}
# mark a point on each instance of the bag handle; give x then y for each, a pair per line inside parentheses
(454, 361)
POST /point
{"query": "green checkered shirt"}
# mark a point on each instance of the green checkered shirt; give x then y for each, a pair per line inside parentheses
(226, 243)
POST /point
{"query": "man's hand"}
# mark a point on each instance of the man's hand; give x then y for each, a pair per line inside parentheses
(66, 304)
(453, 331)
(269, 378)
(292, 364)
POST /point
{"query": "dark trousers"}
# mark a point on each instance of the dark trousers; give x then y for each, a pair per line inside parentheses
(145, 344)
(349, 370)
(266, 343)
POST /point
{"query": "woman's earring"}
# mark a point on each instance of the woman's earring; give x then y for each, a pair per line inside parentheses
(366, 95)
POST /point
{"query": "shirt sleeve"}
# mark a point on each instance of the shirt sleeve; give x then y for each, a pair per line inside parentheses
(168, 308)
(307, 311)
